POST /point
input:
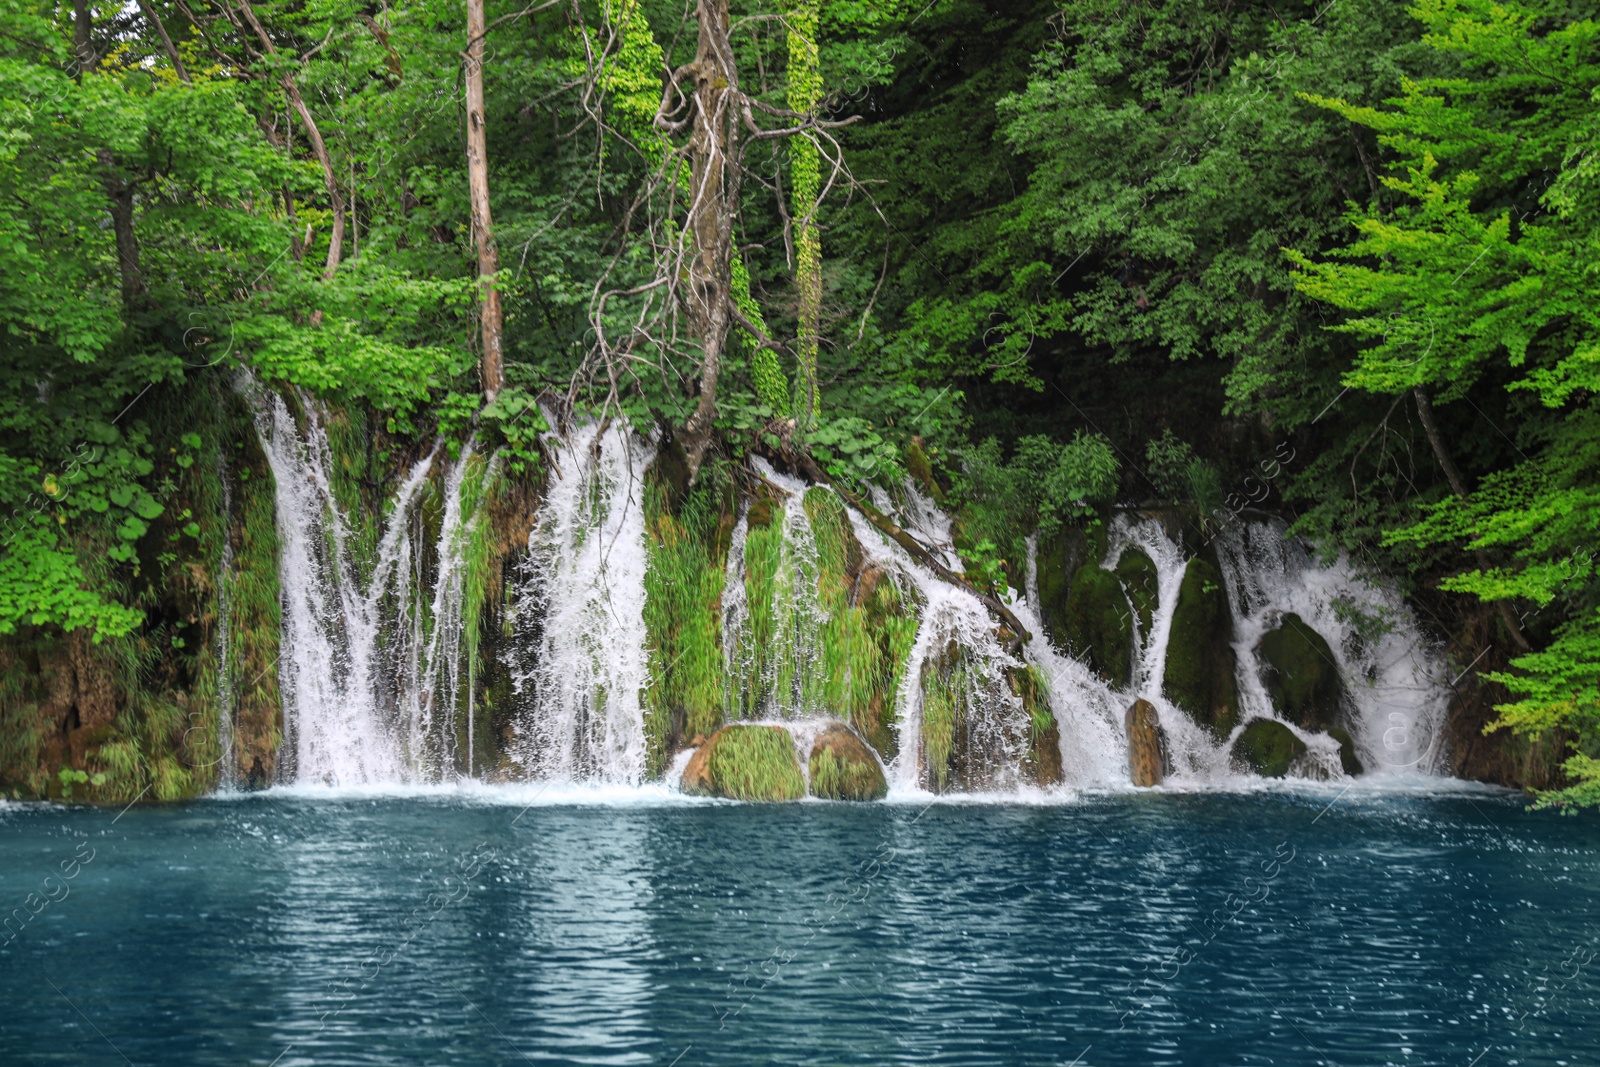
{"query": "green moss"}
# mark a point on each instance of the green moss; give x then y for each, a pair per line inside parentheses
(1043, 760)
(1301, 675)
(1138, 574)
(867, 630)
(920, 467)
(1200, 659)
(1268, 748)
(256, 628)
(688, 549)
(843, 768)
(754, 763)
(1347, 751)
(941, 700)
(760, 652)
(1099, 624)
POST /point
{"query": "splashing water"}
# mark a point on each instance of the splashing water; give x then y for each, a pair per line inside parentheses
(582, 659)
(334, 671)
(1393, 675)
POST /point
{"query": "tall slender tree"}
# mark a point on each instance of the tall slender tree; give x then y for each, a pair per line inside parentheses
(805, 177)
(491, 321)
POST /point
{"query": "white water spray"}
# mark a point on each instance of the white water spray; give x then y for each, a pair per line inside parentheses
(581, 613)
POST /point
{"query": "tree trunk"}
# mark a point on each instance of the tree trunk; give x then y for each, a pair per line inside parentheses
(166, 42)
(82, 46)
(805, 96)
(489, 311)
(1458, 485)
(119, 194)
(712, 196)
(318, 147)
(119, 191)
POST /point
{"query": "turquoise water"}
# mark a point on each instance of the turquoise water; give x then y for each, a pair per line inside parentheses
(474, 928)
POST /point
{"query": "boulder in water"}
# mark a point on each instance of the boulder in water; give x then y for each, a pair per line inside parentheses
(1200, 659)
(1042, 762)
(844, 768)
(1099, 624)
(1147, 744)
(746, 762)
(1347, 751)
(1268, 748)
(1301, 675)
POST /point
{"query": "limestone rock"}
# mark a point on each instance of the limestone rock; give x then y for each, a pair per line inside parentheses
(1347, 751)
(1268, 748)
(1200, 659)
(844, 768)
(1301, 675)
(1147, 744)
(746, 762)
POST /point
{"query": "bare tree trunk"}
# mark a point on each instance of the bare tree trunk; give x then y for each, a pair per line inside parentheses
(166, 42)
(489, 310)
(119, 193)
(1458, 484)
(82, 46)
(711, 204)
(318, 147)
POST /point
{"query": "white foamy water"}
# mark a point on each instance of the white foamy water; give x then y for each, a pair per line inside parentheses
(582, 661)
(339, 726)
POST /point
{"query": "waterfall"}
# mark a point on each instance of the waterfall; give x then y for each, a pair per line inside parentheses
(376, 666)
(774, 648)
(581, 660)
(334, 669)
(1392, 673)
(439, 638)
(971, 683)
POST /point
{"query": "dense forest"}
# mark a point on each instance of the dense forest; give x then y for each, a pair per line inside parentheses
(1331, 260)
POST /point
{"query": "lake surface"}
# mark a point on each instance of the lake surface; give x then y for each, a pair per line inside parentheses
(1305, 926)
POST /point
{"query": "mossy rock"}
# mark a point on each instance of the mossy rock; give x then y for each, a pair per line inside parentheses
(1138, 574)
(1268, 748)
(1200, 659)
(1056, 559)
(1347, 751)
(1300, 675)
(844, 768)
(920, 467)
(1043, 760)
(1148, 761)
(1099, 624)
(746, 762)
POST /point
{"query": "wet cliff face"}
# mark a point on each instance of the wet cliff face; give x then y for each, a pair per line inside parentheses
(347, 609)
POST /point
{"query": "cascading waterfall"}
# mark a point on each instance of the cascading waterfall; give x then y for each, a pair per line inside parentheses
(438, 637)
(376, 678)
(334, 667)
(581, 659)
(774, 661)
(1389, 671)
(970, 683)
(1392, 675)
